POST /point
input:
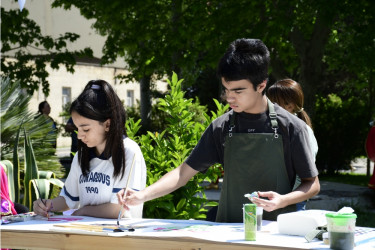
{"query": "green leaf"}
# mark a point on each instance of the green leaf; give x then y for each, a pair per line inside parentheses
(31, 169)
(44, 187)
(16, 166)
(46, 174)
(56, 182)
(181, 204)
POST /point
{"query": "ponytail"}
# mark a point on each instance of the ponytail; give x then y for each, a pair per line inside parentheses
(99, 102)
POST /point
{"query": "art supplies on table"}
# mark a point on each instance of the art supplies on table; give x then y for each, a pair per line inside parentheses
(301, 223)
(18, 218)
(24, 217)
(94, 229)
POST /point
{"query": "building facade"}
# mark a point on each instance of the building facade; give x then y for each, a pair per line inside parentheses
(65, 86)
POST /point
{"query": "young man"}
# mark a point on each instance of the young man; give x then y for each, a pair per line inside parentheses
(260, 145)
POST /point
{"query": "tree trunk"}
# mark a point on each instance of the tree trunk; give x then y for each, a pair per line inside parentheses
(310, 52)
(371, 109)
(145, 84)
(176, 15)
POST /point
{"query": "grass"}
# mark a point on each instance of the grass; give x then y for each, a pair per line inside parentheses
(346, 178)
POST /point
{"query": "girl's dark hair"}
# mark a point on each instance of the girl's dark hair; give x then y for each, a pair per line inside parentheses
(288, 91)
(99, 102)
(245, 59)
(41, 106)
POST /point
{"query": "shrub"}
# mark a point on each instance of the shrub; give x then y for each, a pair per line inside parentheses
(340, 126)
(166, 150)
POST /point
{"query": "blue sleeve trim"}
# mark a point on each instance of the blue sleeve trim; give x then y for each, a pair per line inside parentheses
(116, 190)
(70, 197)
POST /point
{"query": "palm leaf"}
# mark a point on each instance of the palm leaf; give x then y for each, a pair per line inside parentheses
(31, 169)
(16, 167)
(46, 174)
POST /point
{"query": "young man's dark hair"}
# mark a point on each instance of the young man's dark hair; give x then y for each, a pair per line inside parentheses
(245, 59)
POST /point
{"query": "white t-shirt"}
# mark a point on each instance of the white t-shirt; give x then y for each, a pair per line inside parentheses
(312, 141)
(100, 187)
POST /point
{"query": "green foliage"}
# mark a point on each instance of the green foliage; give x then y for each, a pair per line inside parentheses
(20, 133)
(14, 113)
(340, 127)
(327, 46)
(166, 150)
(32, 183)
(65, 114)
(23, 42)
(159, 117)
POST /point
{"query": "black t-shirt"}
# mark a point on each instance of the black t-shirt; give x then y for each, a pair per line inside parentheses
(297, 153)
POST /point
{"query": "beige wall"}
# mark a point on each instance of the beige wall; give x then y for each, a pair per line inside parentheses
(77, 81)
(56, 21)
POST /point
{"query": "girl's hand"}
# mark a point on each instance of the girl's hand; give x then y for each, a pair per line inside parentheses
(79, 212)
(41, 209)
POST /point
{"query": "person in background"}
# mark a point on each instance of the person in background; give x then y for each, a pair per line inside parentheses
(72, 129)
(289, 95)
(261, 146)
(44, 109)
(102, 164)
(370, 151)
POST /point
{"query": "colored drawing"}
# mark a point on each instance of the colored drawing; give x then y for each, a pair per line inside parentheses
(360, 231)
(121, 226)
(193, 228)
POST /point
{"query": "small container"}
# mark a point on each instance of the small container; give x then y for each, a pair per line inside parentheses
(250, 221)
(341, 230)
(259, 218)
(325, 237)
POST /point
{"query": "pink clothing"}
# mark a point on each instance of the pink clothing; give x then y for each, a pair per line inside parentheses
(7, 206)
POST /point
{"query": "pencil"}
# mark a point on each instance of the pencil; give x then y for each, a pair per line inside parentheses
(126, 188)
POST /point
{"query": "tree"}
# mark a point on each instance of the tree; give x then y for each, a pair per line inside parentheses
(26, 52)
(319, 43)
(153, 37)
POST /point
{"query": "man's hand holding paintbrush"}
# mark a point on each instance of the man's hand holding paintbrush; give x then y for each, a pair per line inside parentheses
(132, 198)
(122, 197)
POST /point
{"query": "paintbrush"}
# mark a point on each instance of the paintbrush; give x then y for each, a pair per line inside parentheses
(40, 197)
(85, 227)
(126, 188)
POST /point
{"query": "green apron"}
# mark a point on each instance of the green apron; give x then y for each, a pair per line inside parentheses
(252, 162)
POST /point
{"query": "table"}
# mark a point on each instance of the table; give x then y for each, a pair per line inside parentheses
(154, 234)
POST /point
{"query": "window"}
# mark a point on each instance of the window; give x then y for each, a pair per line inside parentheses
(66, 95)
(66, 100)
(130, 98)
